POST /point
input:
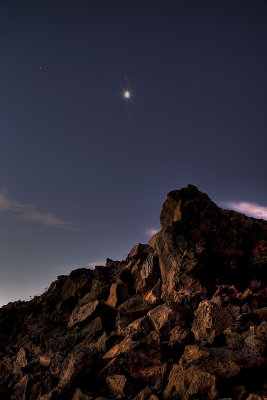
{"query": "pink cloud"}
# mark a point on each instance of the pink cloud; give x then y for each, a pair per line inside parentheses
(28, 212)
(251, 209)
(6, 204)
(152, 231)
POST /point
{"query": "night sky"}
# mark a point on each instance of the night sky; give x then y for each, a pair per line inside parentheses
(83, 170)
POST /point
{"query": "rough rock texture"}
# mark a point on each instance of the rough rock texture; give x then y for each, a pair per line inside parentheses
(183, 317)
(210, 321)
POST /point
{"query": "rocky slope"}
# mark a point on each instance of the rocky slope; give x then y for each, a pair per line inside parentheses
(183, 317)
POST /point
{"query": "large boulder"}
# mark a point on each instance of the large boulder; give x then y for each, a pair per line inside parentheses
(163, 318)
(200, 244)
(85, 313)
(180, 245)
(187, 204)
(198, 375)
(190, 383)
(221, 367)
(210, 321)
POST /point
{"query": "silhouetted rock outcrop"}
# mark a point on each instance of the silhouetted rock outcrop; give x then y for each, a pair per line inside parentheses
(183, 317)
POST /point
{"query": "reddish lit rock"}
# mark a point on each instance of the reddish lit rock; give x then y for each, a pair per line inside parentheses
(142, 328)
(210, 321)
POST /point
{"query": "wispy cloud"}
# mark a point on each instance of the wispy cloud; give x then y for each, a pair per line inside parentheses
(251, 209)
(151, 231)
(29, 212)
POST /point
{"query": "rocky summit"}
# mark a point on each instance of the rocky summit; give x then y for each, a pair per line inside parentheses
(183, 317)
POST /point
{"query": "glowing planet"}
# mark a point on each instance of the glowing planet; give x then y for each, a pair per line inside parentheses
(127, 94)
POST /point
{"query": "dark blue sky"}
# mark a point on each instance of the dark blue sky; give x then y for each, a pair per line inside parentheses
(83, 173)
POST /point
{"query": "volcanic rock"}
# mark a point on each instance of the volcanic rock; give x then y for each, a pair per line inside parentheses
(21, 358)
(188, 383)
(116, 384)
(81, 396)
(183, 317)
(118, 294)
(210, 321)
(162, 317)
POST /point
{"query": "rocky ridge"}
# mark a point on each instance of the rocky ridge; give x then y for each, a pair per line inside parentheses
(183, 317)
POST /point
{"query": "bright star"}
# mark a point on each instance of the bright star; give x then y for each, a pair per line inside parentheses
(127, 94)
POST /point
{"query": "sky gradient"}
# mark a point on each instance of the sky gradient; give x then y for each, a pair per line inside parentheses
(83, 172)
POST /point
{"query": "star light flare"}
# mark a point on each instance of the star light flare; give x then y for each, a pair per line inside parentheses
(127, 94)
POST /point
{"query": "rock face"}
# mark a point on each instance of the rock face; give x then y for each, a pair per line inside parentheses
(183, 317)
(210, 321)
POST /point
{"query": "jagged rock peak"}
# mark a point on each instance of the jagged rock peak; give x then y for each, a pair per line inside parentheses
(187, 203)
(183, 317)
